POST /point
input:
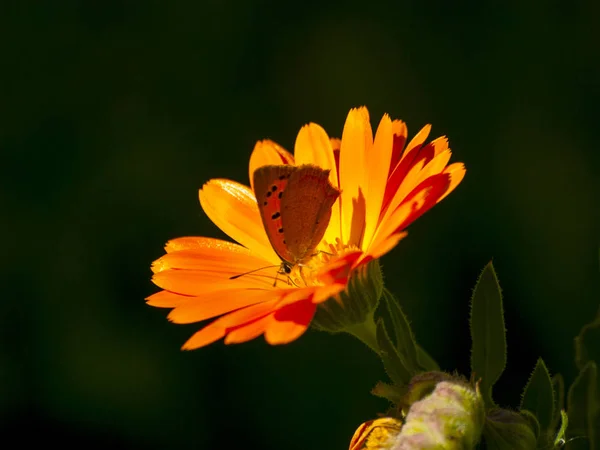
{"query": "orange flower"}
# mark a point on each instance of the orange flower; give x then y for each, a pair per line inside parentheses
(384, 187)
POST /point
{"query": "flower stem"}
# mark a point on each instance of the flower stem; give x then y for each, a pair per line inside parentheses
(366, 332)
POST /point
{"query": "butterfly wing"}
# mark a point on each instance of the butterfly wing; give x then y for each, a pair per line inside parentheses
(306, 209)
(269, 184)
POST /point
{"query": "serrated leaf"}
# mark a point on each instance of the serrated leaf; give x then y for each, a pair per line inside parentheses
(488, 354)
(582, 407)
(538, 397)
(392, 362)
(426, 362)
(405, 340)
(558, 387)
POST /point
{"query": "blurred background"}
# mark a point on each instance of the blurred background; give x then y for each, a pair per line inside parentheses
(114, 113)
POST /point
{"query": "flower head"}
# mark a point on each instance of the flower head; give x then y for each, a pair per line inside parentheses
(384, 187)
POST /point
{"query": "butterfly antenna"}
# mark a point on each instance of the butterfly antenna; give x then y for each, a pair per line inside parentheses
(248, 273)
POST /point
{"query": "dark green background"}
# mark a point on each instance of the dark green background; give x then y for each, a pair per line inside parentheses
(114, 113)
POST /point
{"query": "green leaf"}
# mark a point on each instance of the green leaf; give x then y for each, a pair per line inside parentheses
(392, 362)
(538, 397)
(583, 406)
(488, 354)
(533, 422)
(508, 430)
(558, 386)
(426, 362)
(405, 340)
(587, 344)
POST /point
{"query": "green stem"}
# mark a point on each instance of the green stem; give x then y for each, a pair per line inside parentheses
(366, 332)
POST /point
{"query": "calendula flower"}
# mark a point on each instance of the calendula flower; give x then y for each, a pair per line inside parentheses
(385, 185)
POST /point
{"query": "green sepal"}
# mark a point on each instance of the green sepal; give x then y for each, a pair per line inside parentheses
(395, 394)
(392, 361)
(488, 354)
(583, 407)
(558, 387)
(405, 340)
(423, 384)
(355, 305)
(538, 398)
(509, 430)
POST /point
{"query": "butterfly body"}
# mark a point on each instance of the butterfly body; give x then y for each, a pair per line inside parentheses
(295, 206)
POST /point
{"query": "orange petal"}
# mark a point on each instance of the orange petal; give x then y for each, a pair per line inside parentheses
(248, 331)
(407, 175)
(199, 282)
(220, 327)
(290, 322)
(435, 166)
(337, 270)
(432, 188)
(357, 140)
(166, 299)
(377, 164)
(386, 244)
(232, 207)
(400, 135)
(439, 144)
(266, 153)
(416, 203)
(418, 140)
(313, 146)
(212, 255)
(457, 172)
(205, 336)
(324, 293)
(217, 303)
(201, 243)
(402, 179)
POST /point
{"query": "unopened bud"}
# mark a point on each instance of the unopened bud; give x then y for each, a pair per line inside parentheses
(451, 417)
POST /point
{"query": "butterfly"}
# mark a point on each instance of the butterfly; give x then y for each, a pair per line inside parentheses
(295, 206)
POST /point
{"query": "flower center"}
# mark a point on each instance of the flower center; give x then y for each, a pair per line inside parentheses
(306, 273)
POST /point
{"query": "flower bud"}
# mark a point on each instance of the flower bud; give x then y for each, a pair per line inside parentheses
(451, 417)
